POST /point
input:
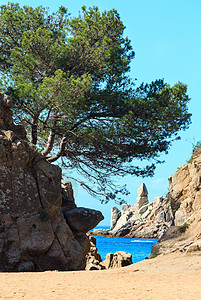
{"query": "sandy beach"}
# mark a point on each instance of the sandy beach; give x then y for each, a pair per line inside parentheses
(172, 276)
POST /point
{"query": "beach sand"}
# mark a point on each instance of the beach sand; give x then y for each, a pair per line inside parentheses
(172, 276)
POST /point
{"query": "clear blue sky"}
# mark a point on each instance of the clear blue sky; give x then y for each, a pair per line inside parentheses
(166, 37)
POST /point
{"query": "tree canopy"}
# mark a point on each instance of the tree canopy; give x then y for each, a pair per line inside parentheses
(69, 78)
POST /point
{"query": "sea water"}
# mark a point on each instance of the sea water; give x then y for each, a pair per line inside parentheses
(139, 248)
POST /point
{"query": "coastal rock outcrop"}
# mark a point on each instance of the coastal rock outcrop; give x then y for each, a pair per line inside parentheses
(115, 215)
(142, 199)
(117, 260)
(185, 198)
(34, 234)
(93, 259)
(143, 219)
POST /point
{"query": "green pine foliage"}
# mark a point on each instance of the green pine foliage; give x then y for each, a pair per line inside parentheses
(69, 78)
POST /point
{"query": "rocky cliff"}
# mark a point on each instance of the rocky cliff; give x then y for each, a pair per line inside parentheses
(174, 219)
(143, 219)
(40, 226)
(185, 198)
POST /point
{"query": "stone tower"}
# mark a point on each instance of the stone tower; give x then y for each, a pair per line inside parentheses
(142, 198)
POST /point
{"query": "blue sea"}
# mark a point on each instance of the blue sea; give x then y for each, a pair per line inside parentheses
(139, 248)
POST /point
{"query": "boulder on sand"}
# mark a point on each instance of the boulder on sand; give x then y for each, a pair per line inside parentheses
(117, 260)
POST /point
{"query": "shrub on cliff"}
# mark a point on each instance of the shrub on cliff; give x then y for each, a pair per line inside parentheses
(196, 151)
(69, 80)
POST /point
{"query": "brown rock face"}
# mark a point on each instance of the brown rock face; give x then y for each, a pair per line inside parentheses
(93, 258)
(185, 197)
(68, 201)
(33, 232)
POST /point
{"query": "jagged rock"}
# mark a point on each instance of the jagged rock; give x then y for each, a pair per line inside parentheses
(34, 236)
(126, 219)
(180, 218)
(115, 215)
(81, 219)
(195, 247)
(94, 267)
(93, 259)
(151, 220)
(142, 198)
(158, 200)
(101, 232)
(185, 199)
(68, 201)
(173, 235)
(108, 260)
(93, 250)
(125, 208)
(117, 260)
(123, 230)
(142, 190)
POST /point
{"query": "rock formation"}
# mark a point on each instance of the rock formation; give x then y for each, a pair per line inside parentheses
(36, 234)
(115, 215)
(93, 259)
(117, 260)
(81, 219)
(144, 219)
(142, 199)
(185, 198)
(175, 219)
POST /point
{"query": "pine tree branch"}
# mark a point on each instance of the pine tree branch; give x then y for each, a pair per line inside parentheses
(61, 151)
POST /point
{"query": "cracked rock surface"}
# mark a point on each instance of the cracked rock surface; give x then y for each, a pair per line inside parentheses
(34, 235)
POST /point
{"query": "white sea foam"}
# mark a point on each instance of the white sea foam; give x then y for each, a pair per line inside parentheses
(141, 241)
